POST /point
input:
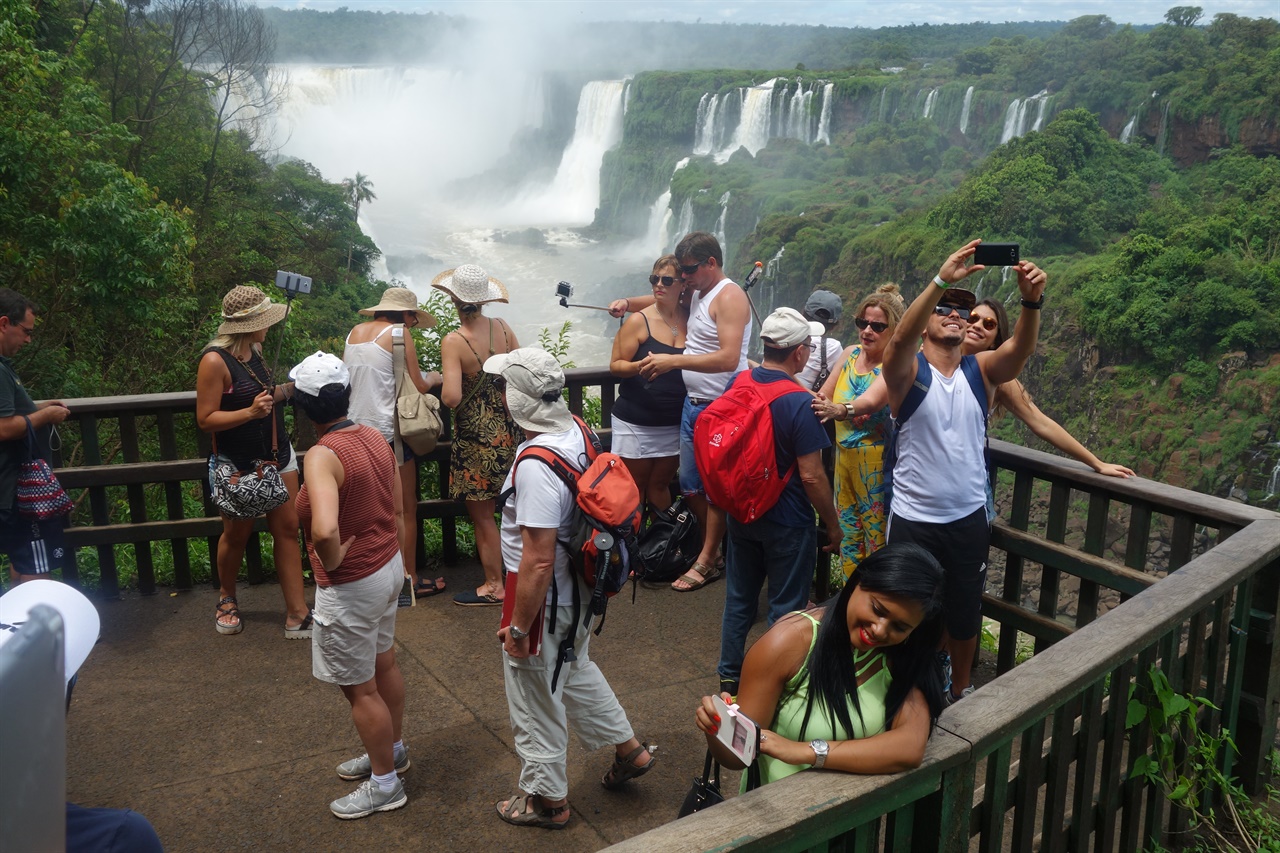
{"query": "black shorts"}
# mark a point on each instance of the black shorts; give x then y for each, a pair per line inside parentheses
(35, 547)
(961, 547)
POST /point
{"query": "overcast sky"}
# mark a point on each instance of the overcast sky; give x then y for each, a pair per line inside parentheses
(836, 13)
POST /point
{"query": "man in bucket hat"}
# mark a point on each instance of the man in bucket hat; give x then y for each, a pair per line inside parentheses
(537, 515)
(939, 483)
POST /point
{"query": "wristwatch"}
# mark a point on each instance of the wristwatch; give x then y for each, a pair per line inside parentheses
(1034, 306)
(820, 749)
(517, 634)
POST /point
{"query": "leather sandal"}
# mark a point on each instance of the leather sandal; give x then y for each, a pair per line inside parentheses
(227, 607)
(520, 811)
(697, 577)
(624, 769)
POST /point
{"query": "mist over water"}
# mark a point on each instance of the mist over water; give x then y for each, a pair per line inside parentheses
(418, 133)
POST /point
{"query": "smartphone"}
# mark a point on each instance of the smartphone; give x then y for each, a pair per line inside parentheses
(996, 254)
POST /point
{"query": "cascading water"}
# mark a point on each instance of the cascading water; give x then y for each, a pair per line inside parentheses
(774, 267)
(720, 224)
(1164, 129)
(1015, 117)
(704, 135)
(964, 111)
(1043, 98)
(754, 124)
(824, 121)
(684, 222)
(796, 122)
(658, 234)
(930, 100)
(1127, 133)
(884, 93)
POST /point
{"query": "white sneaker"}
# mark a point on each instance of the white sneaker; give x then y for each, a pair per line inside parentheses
(950, 699)
(367, 799)
(362, 768)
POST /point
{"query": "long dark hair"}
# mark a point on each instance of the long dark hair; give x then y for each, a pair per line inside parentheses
(904, 571)
(1002, 335)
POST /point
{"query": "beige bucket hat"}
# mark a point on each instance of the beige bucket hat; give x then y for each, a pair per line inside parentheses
(470, 285)
(401, 299)
(248, 309)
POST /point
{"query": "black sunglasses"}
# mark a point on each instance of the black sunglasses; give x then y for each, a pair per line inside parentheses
(945, 311)
(667, 280)
(878, 328)
(690, 269)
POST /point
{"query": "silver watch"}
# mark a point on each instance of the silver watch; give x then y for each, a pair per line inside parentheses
(820, 749)
(517, 634)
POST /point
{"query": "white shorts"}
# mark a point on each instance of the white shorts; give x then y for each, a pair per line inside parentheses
(354, 623)
(632, 441)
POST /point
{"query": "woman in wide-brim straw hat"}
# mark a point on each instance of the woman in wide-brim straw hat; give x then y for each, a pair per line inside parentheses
(369, 356)
(484, 436)
(236, 401)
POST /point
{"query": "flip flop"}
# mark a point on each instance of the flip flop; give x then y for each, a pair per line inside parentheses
(428, 588)
(697, 577)
(519, 811)
(471, 599)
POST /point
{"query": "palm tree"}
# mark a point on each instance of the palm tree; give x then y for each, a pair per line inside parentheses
(358, 189)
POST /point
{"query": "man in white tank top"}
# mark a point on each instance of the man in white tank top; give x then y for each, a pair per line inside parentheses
(939, 479)
(715, 351)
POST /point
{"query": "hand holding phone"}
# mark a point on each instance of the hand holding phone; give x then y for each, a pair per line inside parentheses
(737, 732)
(996, 254)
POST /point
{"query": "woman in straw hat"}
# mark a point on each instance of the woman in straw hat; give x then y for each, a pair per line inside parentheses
(484, 436)
(236, 401)
(369, 356)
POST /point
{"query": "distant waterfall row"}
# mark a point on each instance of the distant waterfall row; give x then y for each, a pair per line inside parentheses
(749, 117)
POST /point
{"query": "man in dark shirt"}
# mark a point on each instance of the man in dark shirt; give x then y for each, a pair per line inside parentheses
(35, 548)
(780, 545)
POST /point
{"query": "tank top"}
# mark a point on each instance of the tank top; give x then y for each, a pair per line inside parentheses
(790, 713)
(850, 385)
(366, 507)
(939, 475)
(702, 338)
(373, 382)
(251, 440)
(656, 403)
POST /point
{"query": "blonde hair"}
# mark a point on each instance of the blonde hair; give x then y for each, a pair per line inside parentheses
(887, 298)
(231, 342)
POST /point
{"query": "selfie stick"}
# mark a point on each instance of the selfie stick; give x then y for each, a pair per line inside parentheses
(567, 304)
(752, 278)
(292, 284)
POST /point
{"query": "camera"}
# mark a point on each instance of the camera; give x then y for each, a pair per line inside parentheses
(564, 290)
(292, 283)
(996, 254)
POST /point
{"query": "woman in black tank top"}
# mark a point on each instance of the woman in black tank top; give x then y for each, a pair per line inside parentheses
(236, 401)
(646, 415)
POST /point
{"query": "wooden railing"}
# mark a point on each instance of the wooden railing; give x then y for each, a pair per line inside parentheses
(1102, 579)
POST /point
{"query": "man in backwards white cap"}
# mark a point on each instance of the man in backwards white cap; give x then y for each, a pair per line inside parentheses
(538, 513)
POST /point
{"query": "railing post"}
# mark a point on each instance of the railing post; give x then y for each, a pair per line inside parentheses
(1259, 708)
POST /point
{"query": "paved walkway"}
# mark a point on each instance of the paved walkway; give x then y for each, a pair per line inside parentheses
(228, 743)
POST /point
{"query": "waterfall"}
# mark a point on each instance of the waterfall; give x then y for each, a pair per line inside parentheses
(1273, 485)
(658, 234)
(719, 230)
(1164, 128)
(1015, 118)
(796, 120)
(929, 102)
(964, 112)
(1127, 133)
(704, 134)
(574, 193)
(883, 94)
(755, 122)
(1012, 121)
(684, 223)
(1043, 97)
(774, 267)
(824, 122)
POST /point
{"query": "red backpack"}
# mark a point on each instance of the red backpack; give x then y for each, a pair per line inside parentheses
(734, 447)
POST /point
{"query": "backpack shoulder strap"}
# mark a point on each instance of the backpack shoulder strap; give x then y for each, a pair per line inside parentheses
(919, 388)
(972, 372)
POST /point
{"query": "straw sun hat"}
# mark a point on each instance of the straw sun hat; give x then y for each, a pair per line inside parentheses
(248, 309)
(470, 285)
(401, 299)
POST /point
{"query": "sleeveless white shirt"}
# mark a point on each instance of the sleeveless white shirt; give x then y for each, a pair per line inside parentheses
(373, 382)
(940, 475)
(702, 338)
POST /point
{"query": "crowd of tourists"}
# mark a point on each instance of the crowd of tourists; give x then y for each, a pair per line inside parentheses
(852, 683)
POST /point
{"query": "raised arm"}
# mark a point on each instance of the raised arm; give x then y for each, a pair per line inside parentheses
(620, 307)
(1016, 399)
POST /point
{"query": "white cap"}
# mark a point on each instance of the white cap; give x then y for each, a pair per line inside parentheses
(785, 328)
(79, 617)
(318, 370)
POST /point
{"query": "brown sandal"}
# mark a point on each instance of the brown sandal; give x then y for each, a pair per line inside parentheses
(697, 577)
(624, 769)
(520, 811)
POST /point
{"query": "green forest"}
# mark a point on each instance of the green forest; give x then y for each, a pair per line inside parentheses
(131, 199)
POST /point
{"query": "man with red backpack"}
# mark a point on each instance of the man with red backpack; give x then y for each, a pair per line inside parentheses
(759, 452)
(542, 616)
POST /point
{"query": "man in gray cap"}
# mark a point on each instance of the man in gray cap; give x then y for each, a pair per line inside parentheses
(822, 309)
(537, 515)
(939, 480)
(779, 546)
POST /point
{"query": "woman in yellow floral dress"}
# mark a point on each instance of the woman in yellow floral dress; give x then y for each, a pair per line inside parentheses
(484, 436)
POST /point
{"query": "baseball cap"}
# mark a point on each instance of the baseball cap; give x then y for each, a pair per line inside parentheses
(79, 617)
(784, 328)
(959, 297)
(318, 370)
(824, 306)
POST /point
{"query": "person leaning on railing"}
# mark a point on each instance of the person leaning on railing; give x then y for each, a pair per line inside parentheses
(855, 686)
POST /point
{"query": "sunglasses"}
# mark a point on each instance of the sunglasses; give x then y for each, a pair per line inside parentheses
(690, 269)
(500, 383)
(988, 323)
(945, 310)
(878, 328)
(667, 280)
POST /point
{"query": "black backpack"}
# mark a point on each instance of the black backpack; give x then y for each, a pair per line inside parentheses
(670, 544)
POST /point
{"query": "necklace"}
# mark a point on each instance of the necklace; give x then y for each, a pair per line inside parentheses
(675, 332)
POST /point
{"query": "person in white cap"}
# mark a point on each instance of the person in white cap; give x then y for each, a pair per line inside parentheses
(537, 515)
(779, 546)
(352, 513)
